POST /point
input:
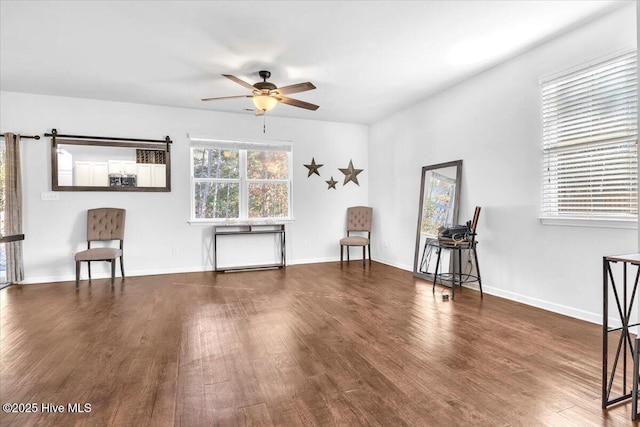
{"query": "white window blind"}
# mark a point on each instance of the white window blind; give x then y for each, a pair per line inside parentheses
(590, 154)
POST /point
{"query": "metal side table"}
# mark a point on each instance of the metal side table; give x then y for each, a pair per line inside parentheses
(625, 294)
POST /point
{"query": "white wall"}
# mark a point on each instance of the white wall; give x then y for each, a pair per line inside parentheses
(492, 122)
(157, 222)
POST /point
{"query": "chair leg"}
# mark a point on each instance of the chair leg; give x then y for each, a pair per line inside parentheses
(341, 253)
(121, 267)
(453, 275)
(364, 256)
(475, 257)
(113, 270)
(77, 274)
(369, 246)
(435, 275)
(89, 267)
(348, 247)
(423, 261)
(459, 268)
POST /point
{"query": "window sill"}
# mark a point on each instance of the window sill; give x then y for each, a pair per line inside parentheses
(621, 223)
(209, 222)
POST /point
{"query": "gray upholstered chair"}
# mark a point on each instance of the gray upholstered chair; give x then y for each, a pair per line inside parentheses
(103, 224)
(358, 220)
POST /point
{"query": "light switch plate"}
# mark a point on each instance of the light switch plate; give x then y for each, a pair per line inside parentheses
(49, 195)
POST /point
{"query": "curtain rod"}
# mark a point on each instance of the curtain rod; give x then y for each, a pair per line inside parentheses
(54, 133)
(26, 136)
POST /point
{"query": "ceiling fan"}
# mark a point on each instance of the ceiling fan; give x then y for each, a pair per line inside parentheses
(265, 95)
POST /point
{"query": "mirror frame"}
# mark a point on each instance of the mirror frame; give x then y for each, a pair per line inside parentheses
(158, 145)
(456, 207)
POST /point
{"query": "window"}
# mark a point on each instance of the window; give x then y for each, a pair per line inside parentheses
(590, 152)
(240, 180)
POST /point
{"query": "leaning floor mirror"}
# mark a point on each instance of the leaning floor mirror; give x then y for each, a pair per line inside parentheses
(439, 202)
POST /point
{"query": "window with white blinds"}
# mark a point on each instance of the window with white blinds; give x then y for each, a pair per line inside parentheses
(590, 153)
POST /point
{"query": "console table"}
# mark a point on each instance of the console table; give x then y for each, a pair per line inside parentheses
(244, 230)
(624, 295)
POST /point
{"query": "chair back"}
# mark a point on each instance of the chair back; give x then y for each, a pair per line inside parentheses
(474, 221)
(105, 224)
(473, 224)
(359, 218)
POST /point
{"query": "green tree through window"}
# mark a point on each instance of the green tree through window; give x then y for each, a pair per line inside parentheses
(267, 173)
(216, 190)
(241, 184)
(438, 203)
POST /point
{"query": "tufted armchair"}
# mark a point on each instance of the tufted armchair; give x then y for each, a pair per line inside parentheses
(103, 224)
(358, 220)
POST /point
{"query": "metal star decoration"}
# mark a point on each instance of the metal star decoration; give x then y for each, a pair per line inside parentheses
(350, 174)
(313, 167)
(332, 183)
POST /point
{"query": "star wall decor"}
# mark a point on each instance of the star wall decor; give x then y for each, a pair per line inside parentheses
(350, 174)
(332, 184)
(313, 167)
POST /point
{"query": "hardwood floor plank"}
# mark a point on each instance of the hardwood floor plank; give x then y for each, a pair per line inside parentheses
(274, 393)
(256, 415)
(244, 382)
(343, 413)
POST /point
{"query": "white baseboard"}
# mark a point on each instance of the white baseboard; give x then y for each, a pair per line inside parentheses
(103, 275)
(401, 266)
(312, 260)
(548, 305)
(52, 279)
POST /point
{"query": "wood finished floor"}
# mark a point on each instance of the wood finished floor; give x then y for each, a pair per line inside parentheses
(310, 345)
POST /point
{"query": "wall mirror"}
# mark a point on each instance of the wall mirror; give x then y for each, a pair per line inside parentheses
(83, 163)
(439, 203)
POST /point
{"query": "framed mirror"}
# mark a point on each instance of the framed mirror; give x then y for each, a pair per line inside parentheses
(438, 207)
(80, 163)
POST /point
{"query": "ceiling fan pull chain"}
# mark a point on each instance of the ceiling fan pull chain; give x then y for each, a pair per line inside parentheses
(264, 124)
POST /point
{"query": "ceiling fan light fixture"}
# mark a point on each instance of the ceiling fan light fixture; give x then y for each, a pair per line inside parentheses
(266, 95)
(264, 102)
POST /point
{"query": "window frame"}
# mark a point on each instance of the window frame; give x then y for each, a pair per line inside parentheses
(243, 147)
(548, 150)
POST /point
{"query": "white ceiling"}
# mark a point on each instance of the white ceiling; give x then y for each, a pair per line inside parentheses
(367, 59)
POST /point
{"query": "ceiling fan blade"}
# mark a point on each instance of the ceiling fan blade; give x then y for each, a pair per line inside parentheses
(298, 103)
(240, 82)
(299, 87)
(227, 97)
